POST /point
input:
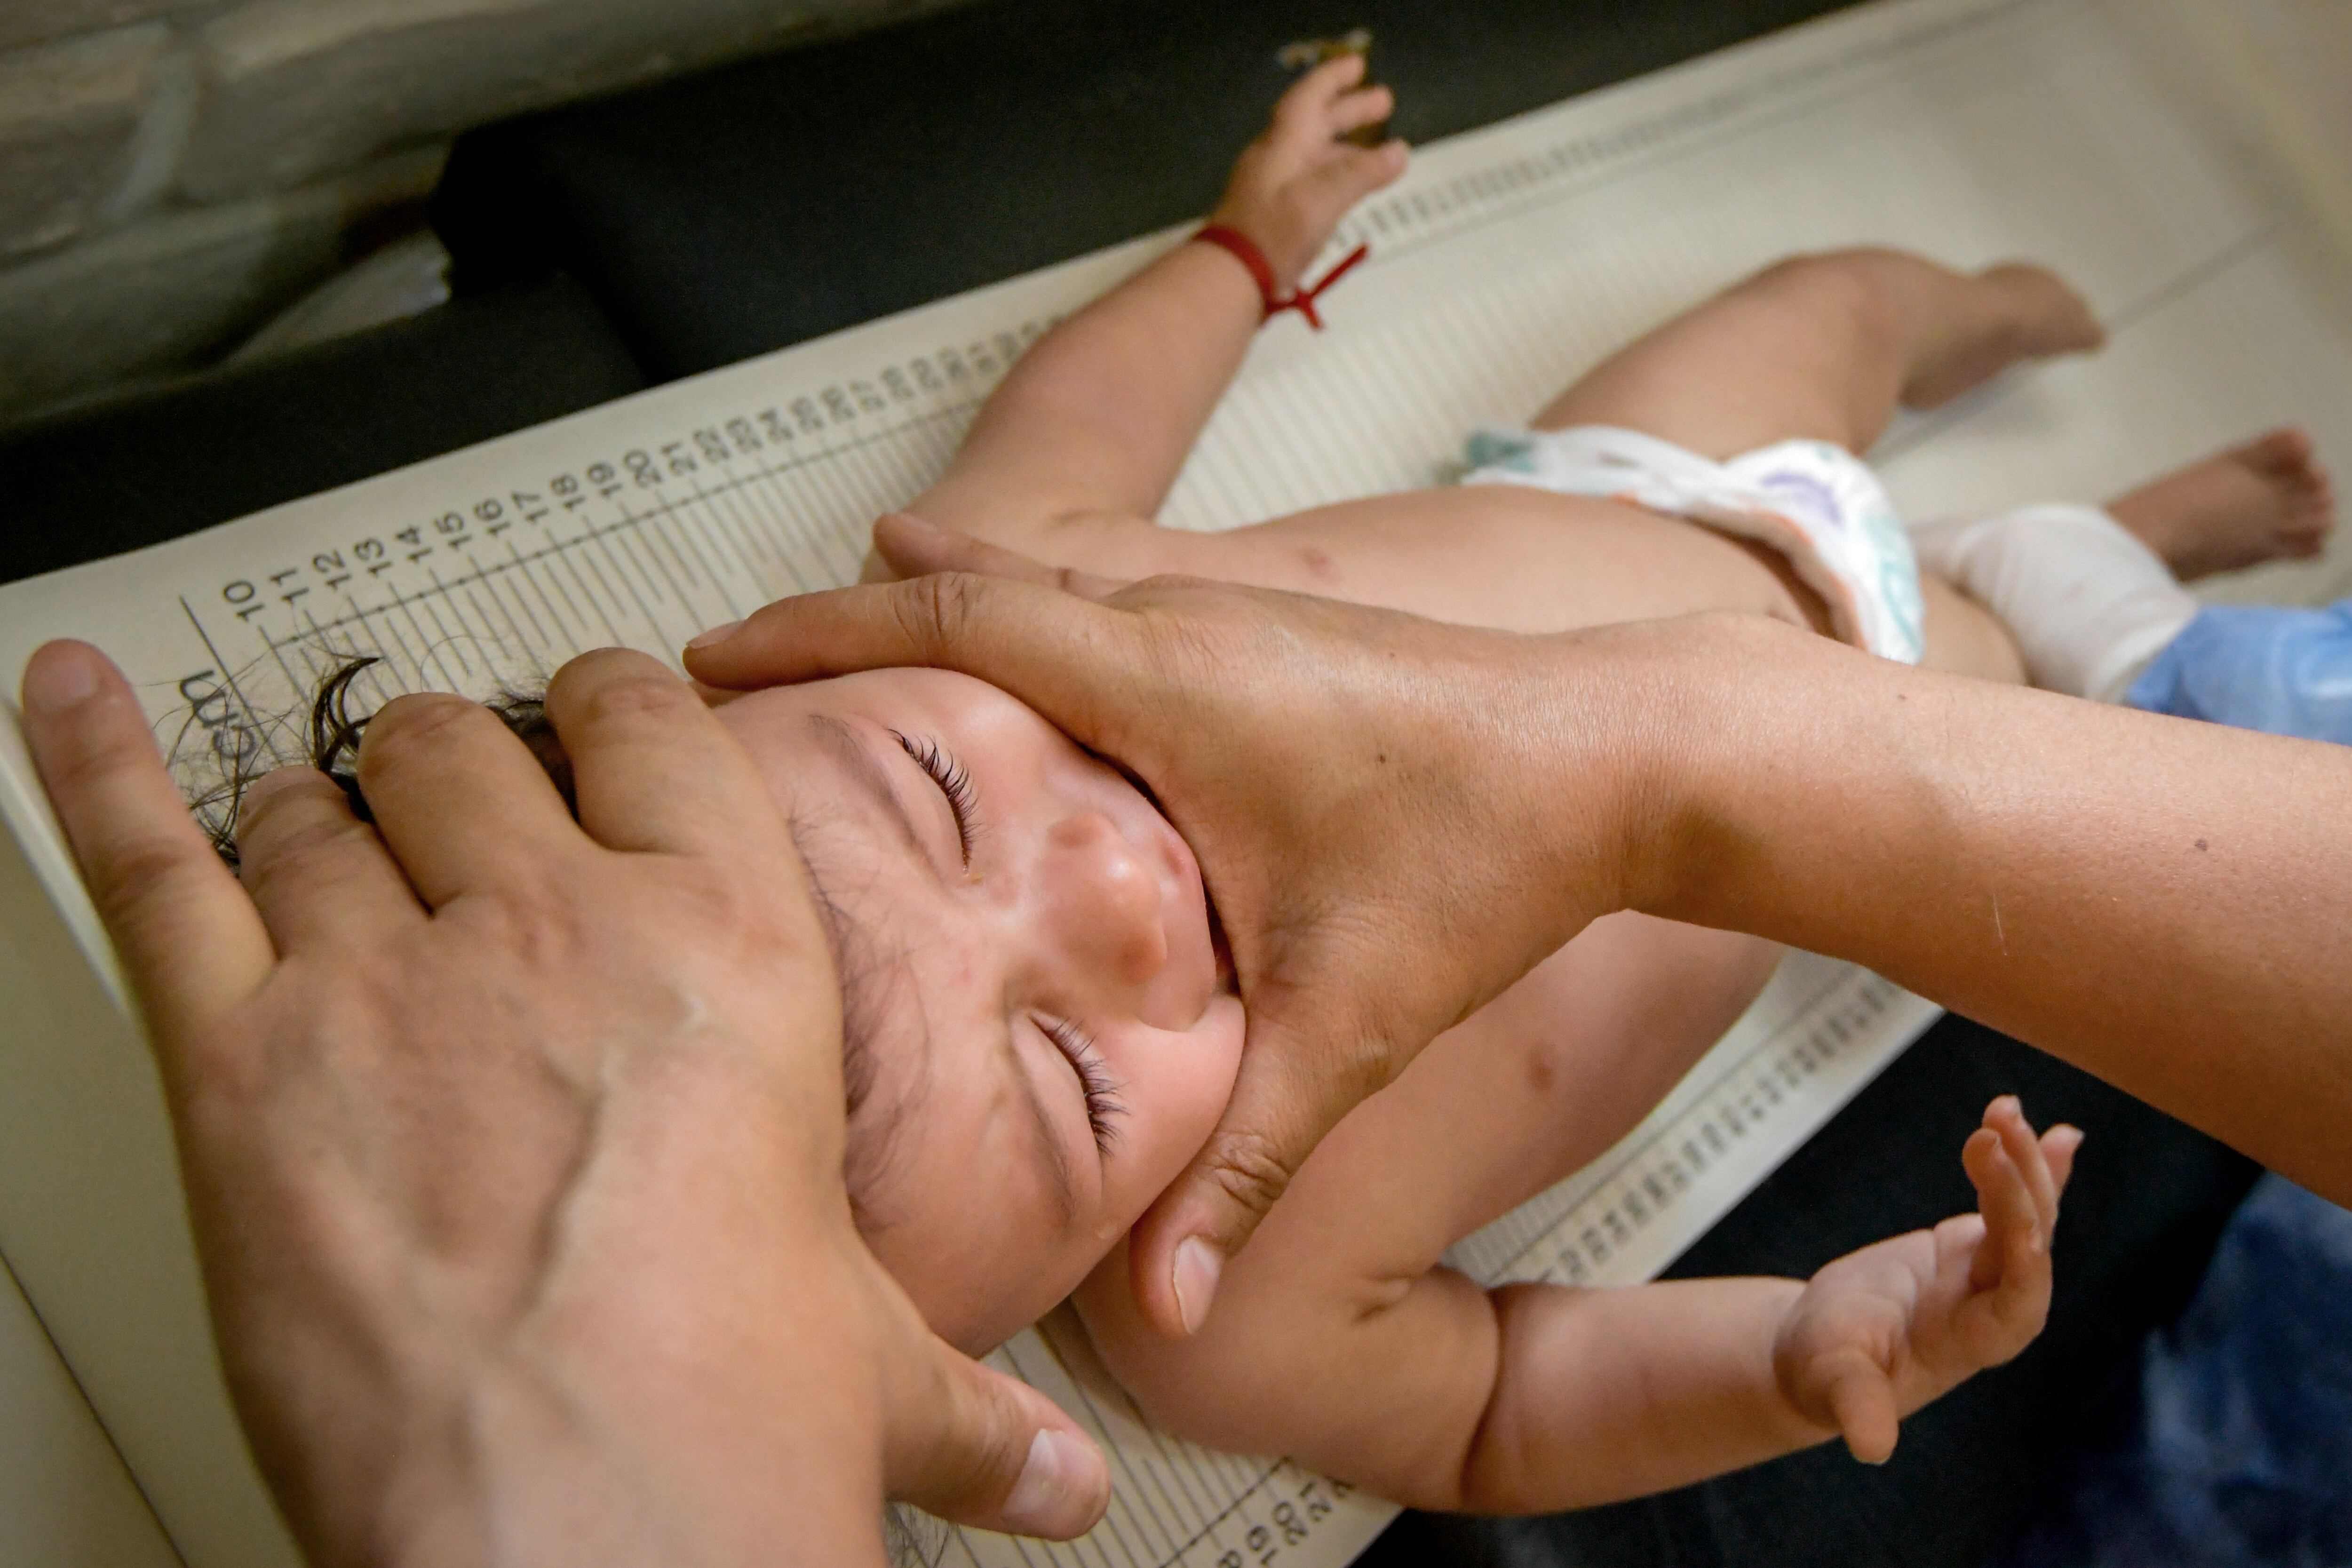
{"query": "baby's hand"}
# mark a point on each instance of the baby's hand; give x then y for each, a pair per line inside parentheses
(1880, 1333)
(1293, 183)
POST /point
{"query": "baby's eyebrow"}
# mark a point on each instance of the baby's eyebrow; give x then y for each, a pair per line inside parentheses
(842, 741)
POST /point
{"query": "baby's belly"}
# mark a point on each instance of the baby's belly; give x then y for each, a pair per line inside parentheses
(1507, 556)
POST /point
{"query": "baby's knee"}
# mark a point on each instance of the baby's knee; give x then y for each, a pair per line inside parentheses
(1859, 287)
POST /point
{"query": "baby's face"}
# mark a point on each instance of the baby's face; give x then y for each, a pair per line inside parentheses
(1028, 950)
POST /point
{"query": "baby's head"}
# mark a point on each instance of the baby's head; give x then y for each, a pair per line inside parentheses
(1038, 1038)
(1028, 972)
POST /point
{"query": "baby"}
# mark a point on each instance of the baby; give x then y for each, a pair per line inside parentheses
(1042, 1031)
(1029, 955)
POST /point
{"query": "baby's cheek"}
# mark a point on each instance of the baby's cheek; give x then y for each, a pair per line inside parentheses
(1175, 1104)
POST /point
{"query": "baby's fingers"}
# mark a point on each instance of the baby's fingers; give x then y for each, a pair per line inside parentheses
(2006, 1116)
(1355, 174)
(2014, 1237)
(2058, 1146)
(1354, 110)
(1301, 110)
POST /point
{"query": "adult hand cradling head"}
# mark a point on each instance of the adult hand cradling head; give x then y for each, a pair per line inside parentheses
(1289, 740)
(514, 1142)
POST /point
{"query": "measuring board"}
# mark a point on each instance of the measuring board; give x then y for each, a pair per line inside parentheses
(1506, 262)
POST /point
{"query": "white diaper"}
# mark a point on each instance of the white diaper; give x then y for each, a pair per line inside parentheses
(1815, 503)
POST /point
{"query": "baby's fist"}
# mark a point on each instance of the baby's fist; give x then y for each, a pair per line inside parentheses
(1880, 1333)
(1293, 183)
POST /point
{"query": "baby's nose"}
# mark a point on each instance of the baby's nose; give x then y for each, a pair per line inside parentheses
(1105, 899)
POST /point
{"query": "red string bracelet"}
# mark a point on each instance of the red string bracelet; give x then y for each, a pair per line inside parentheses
(1244, 250)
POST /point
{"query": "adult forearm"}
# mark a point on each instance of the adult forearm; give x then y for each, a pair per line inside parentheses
(2167, 905)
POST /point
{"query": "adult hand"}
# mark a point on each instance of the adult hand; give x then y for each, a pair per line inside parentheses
(1393, 820)
(513, 1145)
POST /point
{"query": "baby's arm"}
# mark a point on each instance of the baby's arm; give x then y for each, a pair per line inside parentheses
(1101, 414)
(1535, 1398)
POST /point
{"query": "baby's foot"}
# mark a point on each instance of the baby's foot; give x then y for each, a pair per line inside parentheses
(2267, 500)
(2027, 312)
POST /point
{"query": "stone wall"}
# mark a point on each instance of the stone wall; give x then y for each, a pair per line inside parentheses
(173, 172)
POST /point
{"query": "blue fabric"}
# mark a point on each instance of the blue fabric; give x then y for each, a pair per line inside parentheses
(2242, 1454)
(2285, 672)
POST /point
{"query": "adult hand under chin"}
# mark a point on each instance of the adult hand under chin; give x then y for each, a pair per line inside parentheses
(1395, 818)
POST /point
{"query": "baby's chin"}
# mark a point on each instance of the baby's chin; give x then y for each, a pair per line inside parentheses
(976, 1315)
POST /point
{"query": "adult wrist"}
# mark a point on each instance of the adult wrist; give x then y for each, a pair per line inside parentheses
(1679, 722)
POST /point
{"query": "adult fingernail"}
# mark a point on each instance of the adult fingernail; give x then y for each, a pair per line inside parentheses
(715, 635)
(1057, 1491)
(60, 678)
(1198, 1265)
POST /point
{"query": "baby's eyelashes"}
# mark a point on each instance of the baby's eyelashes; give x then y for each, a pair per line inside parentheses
(1105, 1110)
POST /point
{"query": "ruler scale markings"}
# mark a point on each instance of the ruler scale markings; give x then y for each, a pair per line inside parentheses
(653, 539)
(474, 601)
(740, 518)
(446, 641)
(626, 574)
(732, 525)
(430, 650)
(630, 546)
(522, 579)
(653, 536)
(700, 529)
(742, 534)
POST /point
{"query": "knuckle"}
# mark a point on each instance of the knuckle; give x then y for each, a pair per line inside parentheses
(135, 880)
(418, 721)
(533, 923)
(274, 836)
(940, 613)
(641, 697)
(1251, 1170)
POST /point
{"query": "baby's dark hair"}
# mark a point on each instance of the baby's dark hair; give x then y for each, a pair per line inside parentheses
(332, 745)
(866, 970)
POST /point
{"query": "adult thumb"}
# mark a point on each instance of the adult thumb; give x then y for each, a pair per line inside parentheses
(1293, 1087)
(975, 1447)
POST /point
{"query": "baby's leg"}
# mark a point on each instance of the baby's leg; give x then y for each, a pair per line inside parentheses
(1826, 347)
(2265, 500)
(2093, 595)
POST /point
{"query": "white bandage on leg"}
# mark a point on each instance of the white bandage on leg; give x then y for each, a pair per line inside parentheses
(2088, 604)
